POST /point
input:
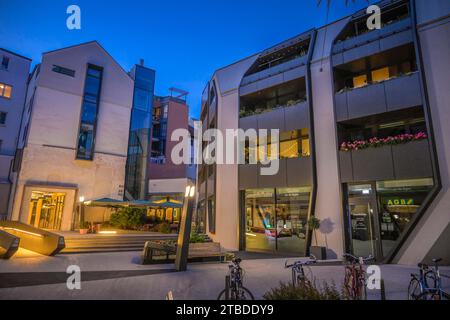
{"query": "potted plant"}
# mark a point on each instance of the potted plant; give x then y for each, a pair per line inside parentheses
(84, 227)
(318, 251)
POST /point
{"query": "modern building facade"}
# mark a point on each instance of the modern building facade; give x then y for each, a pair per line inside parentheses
(14, 71)
(363, 142)
(167, 181)
(73, 142)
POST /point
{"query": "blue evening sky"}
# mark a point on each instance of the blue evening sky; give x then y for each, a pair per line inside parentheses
(183, 40)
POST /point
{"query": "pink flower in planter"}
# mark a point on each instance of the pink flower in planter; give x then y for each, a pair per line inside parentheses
(378, 142)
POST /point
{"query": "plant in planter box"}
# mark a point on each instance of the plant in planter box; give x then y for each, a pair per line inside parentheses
(318, 251)
(84, 227)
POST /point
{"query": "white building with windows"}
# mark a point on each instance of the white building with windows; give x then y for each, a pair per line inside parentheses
(74, 136)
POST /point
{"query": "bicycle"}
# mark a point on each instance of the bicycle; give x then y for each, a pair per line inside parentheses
(235, 288)
(299, 276)
(427, 285)
(355, 277)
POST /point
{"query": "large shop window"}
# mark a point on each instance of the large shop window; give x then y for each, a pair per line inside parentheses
(276, 219)
(380, 212)
(89, 113)
(293, 144)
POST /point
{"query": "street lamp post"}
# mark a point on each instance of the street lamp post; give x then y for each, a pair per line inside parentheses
(80, 211)
(185, 229)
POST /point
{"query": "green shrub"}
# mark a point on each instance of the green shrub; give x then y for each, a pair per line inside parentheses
(128, 218)
(303, 292)
(162, 228)
(85, 225)
(197, 238)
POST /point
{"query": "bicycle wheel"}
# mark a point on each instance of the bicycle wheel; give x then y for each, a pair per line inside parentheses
(245, 294)
(414, 290)
(309, 275)
(221, 295)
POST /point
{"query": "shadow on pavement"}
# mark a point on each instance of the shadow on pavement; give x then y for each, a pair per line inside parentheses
(25, 279)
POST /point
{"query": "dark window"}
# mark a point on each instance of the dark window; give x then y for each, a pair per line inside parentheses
(64, 71)
(284, 95)
(25, 133)
(89, 112)
(17, 160)
(3, 117)
(280, 56)
(211, 216)
(5, 63)
(389, 15)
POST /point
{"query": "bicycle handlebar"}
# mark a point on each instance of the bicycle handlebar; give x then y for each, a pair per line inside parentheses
(353, 258)
(311, 260)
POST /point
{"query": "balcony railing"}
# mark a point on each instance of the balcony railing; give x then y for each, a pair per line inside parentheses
(390, 162)
(395, 93)
(244, 112)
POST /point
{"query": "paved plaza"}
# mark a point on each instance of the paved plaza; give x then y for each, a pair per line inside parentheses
(120, 276)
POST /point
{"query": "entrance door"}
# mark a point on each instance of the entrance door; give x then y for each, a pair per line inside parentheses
(46, 210)
(363, 221)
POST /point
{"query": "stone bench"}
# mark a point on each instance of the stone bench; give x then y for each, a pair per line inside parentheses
(165, 252)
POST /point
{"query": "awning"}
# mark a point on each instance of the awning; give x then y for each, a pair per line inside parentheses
(166, 204)
(108, 202)
(105, 202)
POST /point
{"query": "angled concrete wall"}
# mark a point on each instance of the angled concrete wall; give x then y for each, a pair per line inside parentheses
(434, 34)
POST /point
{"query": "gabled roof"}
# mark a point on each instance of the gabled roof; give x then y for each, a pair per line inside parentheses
(16, 54)
(88, 43)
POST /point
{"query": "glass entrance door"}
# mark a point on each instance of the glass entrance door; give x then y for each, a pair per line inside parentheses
(378, 213)
(362, 214)
(46, 210)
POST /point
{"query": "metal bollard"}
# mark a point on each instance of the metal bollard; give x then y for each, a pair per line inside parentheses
(382, 290)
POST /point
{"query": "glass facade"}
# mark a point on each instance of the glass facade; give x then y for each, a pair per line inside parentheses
(380, 212)
(159, 133)
(89, 112)
(276, 219)
(140, 133)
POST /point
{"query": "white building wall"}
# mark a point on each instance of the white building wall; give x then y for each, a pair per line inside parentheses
(329, 191)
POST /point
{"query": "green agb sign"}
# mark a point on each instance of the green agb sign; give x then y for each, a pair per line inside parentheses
(400, 201)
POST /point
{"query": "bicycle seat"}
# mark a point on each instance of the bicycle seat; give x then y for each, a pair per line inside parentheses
(437, 260)
(422, 265)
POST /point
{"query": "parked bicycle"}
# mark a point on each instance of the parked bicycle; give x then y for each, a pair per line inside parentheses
(355, 276)
(301, 272)
(427, 285)
(235, 289)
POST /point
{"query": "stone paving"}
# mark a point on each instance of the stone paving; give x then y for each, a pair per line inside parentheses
(120, 276)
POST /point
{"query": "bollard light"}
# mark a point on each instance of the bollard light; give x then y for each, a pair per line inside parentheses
(185, 229)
